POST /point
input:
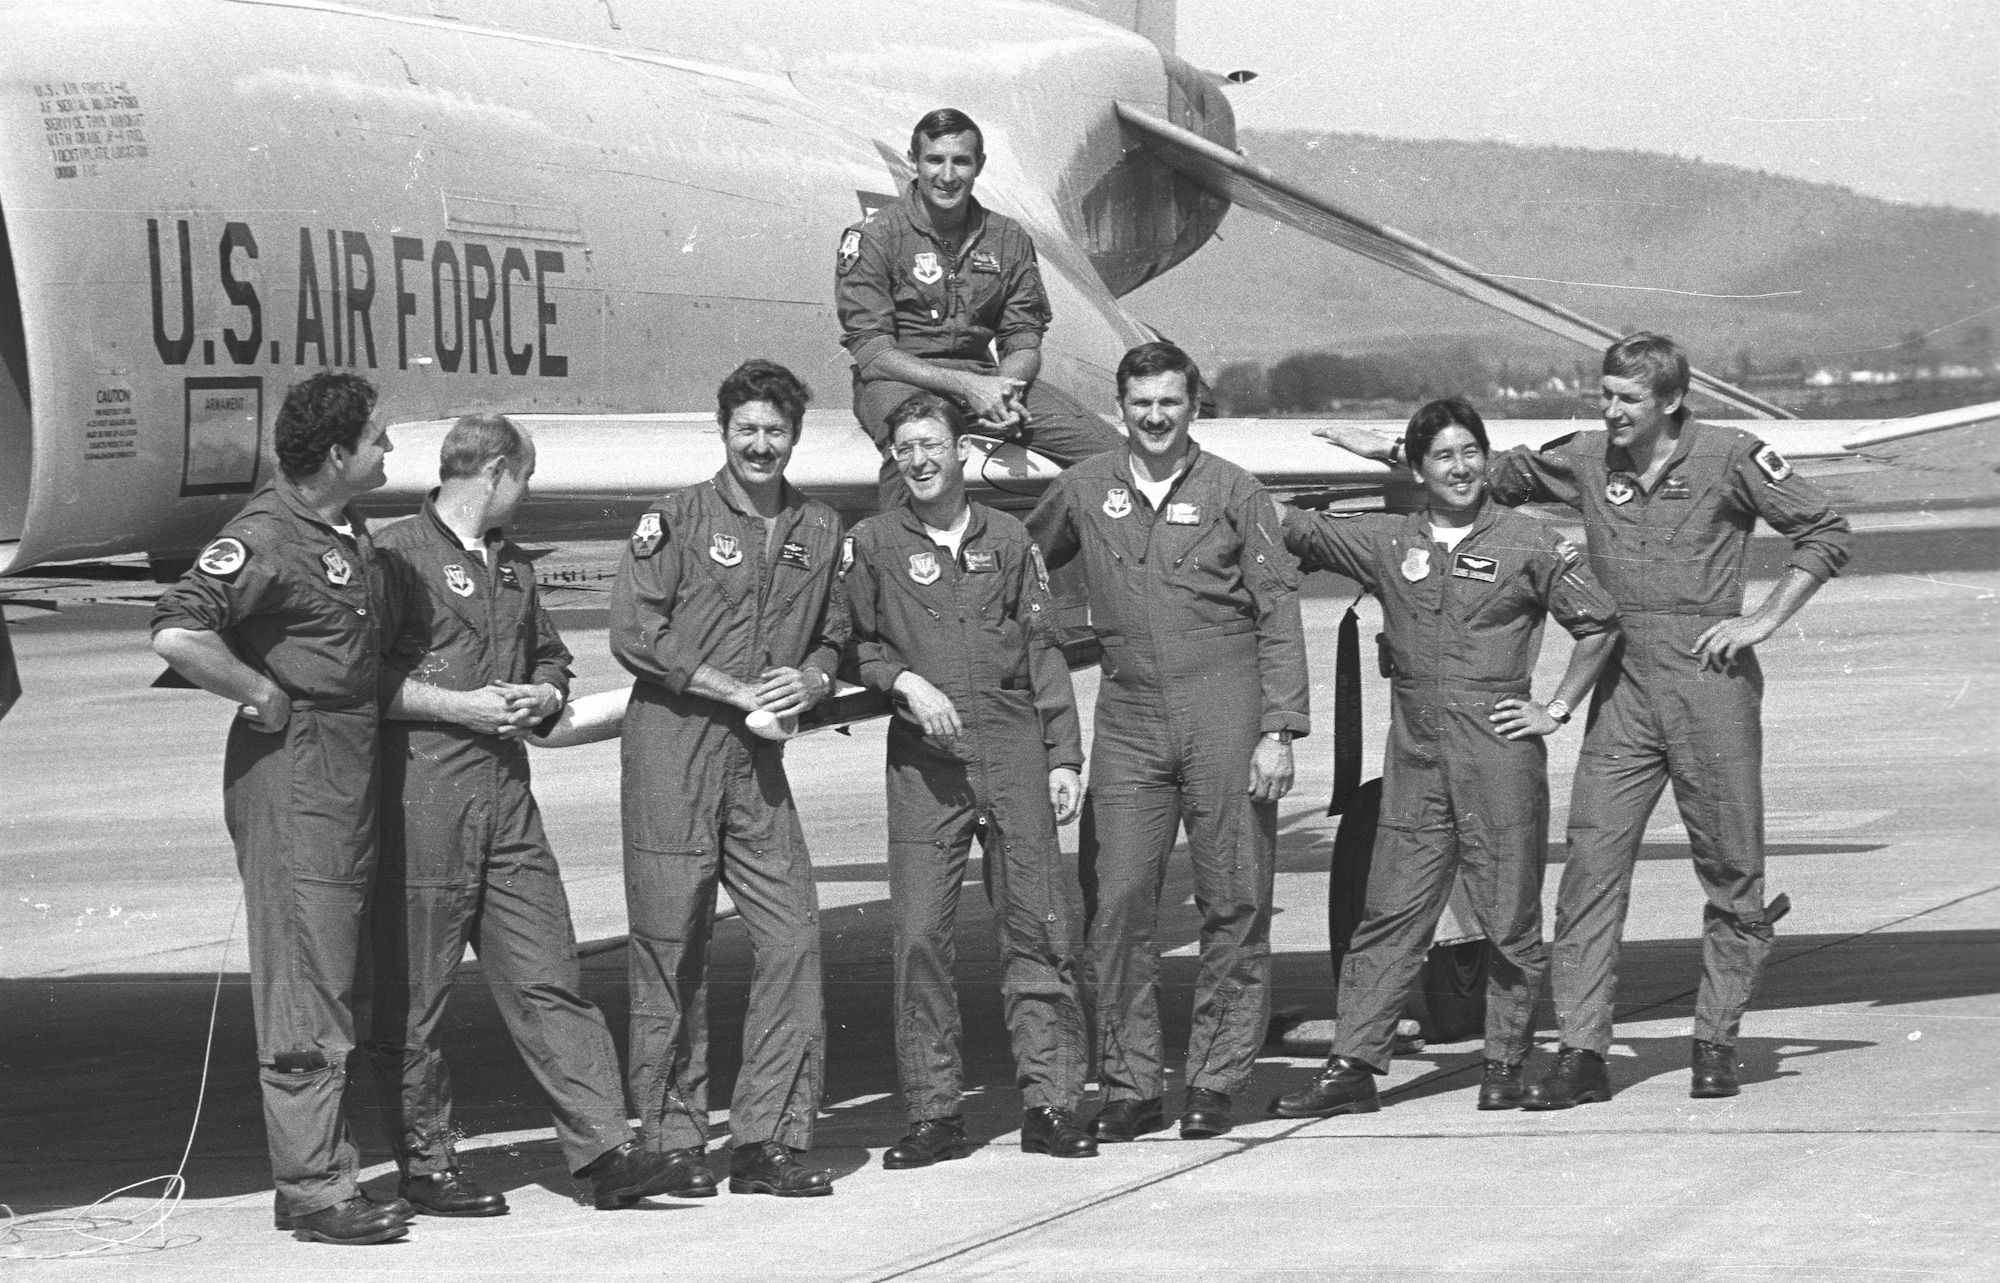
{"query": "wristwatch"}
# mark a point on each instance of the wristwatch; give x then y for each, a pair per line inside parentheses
(1558, 709)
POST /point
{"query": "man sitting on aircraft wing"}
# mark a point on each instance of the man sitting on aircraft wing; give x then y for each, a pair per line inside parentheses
(277, 616)
(472, 663)
(1668, 506)
(1465, 587)
(724, 607)
(930, 287)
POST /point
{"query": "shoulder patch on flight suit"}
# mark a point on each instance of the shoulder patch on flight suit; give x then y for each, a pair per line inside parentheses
(1183, 514)
(1568, 551)
(1041, 566)
(924, 568)
(981, 562)
(338, 572)
(1466, 566)
(1417, 564)
(457, 580)
(850, 251)
(722, 550)
(925, 268)
(1771, 463)
(794, 553)
(847, 554)
(1117, 502)
(1620, 489)
(648, 535)
(982, 261)
(223, 558)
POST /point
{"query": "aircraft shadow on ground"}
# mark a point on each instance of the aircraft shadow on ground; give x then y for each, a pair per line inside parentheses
(102, 1071)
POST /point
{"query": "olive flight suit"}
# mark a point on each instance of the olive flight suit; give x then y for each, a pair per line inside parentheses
(1672, 558)
(706, 800)
(464, 856)
(980, 628)
(1197, 608)
(292, 598)
(1464, 628)
(898, 285)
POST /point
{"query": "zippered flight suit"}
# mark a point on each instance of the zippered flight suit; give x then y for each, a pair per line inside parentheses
(897, 284)
(1671, 556)
(704, 799)
(465, 858)
(980, 628)
(292, 598)
(1463, 628)
(1197, 607)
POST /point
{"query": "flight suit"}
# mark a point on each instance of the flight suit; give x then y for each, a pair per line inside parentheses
(896, 284)
(1197, 608)
(464, 856)
(704, 799)
(1672, 558)
(980, 628)
(1463, 629)
(292, 598)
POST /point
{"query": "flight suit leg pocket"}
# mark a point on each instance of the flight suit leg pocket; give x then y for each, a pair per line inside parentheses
(670, 891)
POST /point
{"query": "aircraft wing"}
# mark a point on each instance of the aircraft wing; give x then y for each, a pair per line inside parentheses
(1235, 179)
(1889, 430)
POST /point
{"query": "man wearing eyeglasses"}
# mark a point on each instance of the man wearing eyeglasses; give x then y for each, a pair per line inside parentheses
(952, 616)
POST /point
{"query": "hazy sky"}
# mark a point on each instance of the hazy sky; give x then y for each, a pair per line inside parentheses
(1894, 98)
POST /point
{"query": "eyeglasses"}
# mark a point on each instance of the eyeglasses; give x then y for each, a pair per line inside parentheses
(910, 451)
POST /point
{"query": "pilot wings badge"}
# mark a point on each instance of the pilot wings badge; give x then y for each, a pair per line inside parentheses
(924, 567)
(338, 572)
(1417, 565)
(457, 580)
(926, 269)
(722, 550)
(1117, 502)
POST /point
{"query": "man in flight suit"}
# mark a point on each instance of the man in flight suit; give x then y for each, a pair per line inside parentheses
(724, 606)
(1465, 587)
(473, 663)
(1668, 506)
(929, 288)
(952, 616)
(276, 616)
(1196, 603)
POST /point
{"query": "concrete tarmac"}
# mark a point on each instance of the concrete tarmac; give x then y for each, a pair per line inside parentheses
(1863, 1144)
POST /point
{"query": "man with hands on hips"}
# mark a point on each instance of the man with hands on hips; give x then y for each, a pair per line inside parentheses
(951, 611)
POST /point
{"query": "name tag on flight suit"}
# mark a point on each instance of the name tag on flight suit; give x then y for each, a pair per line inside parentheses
(1183, 514)
(508, 577)
(981, 563)
(795, 554)
(1673, 488)
(985, 262)
(1466, 566)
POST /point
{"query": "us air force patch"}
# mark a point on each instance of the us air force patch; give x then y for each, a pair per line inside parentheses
(222, 558)
(648, 535)
(1466, 566)
(850, 250)
(924, 568)
(1117, 502)
(457, 580)
(925, 268)
(1041, 567)
(1620, 489)
(1417, 564)
(1772, 463)
(722, 550)
(338, 572)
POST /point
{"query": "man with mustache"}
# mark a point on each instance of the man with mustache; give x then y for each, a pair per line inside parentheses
(937, 293)
(952, 615)
(722, 608)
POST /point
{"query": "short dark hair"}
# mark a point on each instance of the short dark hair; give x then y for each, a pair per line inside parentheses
(761, 380)
(1653, 358)
(921, 406)
(477, 439)
(943, 122)
(1433, 418)
(1159, 357)
(327, 410)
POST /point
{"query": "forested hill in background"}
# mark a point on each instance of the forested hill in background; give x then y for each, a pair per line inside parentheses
(1854, 276)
